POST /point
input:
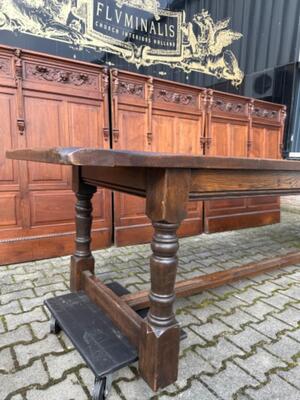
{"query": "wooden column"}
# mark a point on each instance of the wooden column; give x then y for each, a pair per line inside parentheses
(167, 195)
(82, 258)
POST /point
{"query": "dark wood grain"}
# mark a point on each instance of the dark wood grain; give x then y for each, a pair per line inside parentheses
(196, 285)
(47, 101)
(82, 259)
(166, 201)
(114, 158)
(160, 333)
(235, 180)
(123, 316)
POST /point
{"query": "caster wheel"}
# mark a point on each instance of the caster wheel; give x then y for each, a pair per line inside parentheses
(102, 388)
(54, 326)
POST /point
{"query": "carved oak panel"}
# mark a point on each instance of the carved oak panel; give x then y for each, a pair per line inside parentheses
(62, 76)
(5, 66)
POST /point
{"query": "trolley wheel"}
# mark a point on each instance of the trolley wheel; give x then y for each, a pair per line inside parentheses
(102, 387)
(54, 326)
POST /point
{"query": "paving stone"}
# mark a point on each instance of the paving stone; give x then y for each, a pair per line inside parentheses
(247, 338)
(290, 316)
(192, 339)
(270, 327)
(285, 348)
(210, 330)
(291, 376)
(276, 389)
(293, 292)
(279, 301)
(195, 391)
(86, 376)
(14, 320)
(228, 381)
(67, 342)
(5, 289)
(295, 334)
(191, 364)
(186, 318)
(230, 303)
(26, 352)
(41, 290)
(29, 276)
(59, 363)
(6, 280)
(33, 375)
(283, 280)
(17, 397)
(237, 319)
(29, 304)
(259, 309)
(6, 298)
(31, 266)
(259, 364)
(268, 287)
(202, 297)
(40, 329)
(243, 284)
(6, 360)
(21, 334)
(222, 291)
(48, 280)
(205, 313)
(113, 395)
(249, 295)
(13, 270)
(220, 352)
(12, 307)
(134, 390)
(58, 391)
(2, 327)
(260, 278)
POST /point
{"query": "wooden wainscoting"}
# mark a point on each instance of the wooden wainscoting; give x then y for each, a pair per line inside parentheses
(47, 102)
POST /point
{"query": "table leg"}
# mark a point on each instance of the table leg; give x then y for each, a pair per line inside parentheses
(167, 195)
(159, 349)
(82, 258)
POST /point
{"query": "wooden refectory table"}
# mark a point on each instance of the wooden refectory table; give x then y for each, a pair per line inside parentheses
(168, 182)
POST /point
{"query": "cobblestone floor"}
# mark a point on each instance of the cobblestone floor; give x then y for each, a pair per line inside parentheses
(243, 339)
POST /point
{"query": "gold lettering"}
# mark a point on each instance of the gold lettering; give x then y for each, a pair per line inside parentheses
(144, 26)
(152, 28)
(99, 8)
(172, 31)
(107, 14)
(160, 33)
(118, 15)
(129, 21)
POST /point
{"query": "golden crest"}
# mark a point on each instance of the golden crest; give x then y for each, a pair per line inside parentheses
(121, 27)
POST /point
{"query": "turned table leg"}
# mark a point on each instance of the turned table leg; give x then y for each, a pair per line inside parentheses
(167, 195)
(159, 350)
(82, 258)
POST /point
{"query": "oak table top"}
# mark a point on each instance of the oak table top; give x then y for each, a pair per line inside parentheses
(122, 158)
